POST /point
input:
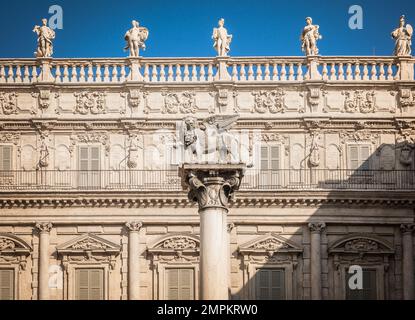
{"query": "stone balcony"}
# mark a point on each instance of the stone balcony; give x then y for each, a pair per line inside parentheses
(119, 181)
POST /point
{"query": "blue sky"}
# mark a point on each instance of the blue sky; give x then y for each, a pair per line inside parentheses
(96, 28)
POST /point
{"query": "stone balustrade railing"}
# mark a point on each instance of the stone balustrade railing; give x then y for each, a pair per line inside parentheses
(199, 70)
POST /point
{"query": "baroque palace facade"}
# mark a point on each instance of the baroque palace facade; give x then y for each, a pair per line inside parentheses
(94, 197)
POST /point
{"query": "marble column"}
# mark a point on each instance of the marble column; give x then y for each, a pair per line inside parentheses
(133, 259)
(229, 228)
(44, 229)
(316, 228)
(212, 186)
(408, 261)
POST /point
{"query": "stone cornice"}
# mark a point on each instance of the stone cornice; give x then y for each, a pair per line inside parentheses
(245, 199)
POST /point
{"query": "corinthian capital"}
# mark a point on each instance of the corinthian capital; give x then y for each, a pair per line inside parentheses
(316, 227)
(211, 186)
(134, 226)
(44, 227)
(408, 228)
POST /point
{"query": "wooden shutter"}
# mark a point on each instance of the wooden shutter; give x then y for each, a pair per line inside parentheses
(270, 284)
(6, 284)
(6, 158)
(89, 284)
(264, 158)
(364, 157)
(354, 157)
(180, 284)
(275, 157)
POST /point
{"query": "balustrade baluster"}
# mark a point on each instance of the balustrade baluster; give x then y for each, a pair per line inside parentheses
(18, 74)
(373, 72)
(210, 72)
(340, 72)
(242, 74)
(251, 72)
(90, 74)
(162, 73)
(123, 73)
(267, 72)
(389, 72)
(10, 74)
(146, 75)
(349, 75)
(154, 74)
(258, 72)
(291, 72)
(275, 72)
(283, 72)
(194, 74)
(2, 74)
(300, 72)
(324, 73)
(365, 72)
(170, 77)
(114, 75)
(357, 75)
(202, 73)
(34, 74)
(106, 73)
(186, 73)
(332, 71)
(382, 71)
(26, 74)
(178, 73)
(234, 72)
(98, 74)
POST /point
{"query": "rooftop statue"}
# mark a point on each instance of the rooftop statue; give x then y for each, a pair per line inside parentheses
(135, 38)
(309, 38)
(402, 36)
(222, 39)
(44, 40)
(211, 136)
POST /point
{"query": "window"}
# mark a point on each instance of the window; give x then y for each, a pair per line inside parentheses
(6, 284)
(270, 158)
(359, 157)
(270, 284)
(89, 166)
(89, 284)
(180, 284)
(369, 291)
(6, 158)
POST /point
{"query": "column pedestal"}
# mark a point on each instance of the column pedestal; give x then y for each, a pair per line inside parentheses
(44, 229)
(133, 259)
(408, 261)
(212, 186)
(316, 229)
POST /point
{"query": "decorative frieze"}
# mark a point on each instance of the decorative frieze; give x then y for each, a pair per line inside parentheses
(184, 102)
(93, 137)
(269, 101)
(10, 138)
(90, 102)
(179, 243)
(359, 101)
(406, 98)
(8, 103)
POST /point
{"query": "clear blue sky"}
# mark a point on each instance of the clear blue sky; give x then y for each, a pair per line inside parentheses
(96, 28)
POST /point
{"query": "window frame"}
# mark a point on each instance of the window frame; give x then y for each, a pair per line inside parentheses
(15, 278)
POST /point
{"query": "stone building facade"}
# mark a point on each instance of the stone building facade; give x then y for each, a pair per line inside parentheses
(91, 200)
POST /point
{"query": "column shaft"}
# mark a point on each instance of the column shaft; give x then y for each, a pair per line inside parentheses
(43, 268)
(213, 255)
(133, 266)
(408, 264)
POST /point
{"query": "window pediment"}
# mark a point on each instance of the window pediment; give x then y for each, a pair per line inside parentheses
(88, 243)
(13, 245)
(361, 243)
(269, 243)
(173, 243)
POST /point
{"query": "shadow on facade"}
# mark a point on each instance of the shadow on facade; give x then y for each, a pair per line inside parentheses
(355, 220)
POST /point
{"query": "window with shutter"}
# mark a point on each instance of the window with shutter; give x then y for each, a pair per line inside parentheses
(270, 165)
(180, 284)
(6, 284)
(369, 291)
(89, 284)
(6, 158)
(359, 157)
(89, 166)
(270, 284)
